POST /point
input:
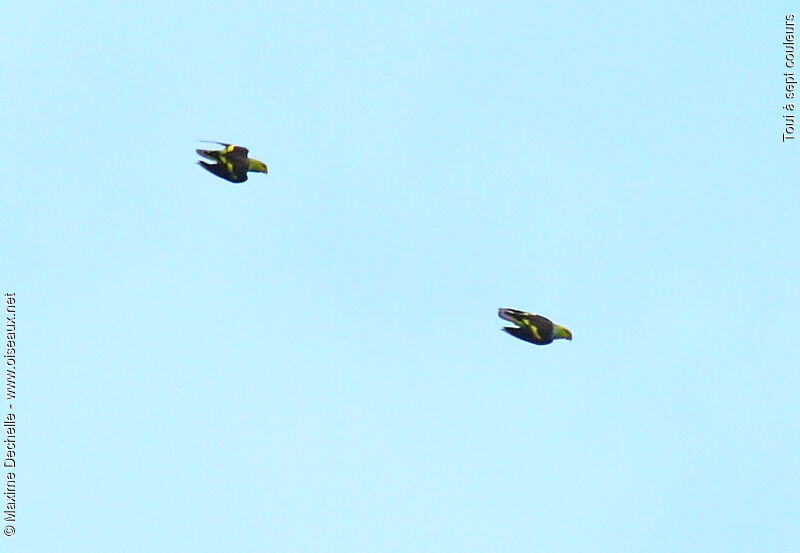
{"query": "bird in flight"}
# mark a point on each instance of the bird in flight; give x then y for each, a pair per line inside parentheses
(533, 328)
(232, 162)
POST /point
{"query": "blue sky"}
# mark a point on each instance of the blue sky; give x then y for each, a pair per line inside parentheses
(312, 362)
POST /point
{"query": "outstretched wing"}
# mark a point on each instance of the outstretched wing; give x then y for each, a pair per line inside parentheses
(227, 171)
(214, 142)
(540, 327)
(531, 327)
(231, 150)
(236, 153)
(208, 154)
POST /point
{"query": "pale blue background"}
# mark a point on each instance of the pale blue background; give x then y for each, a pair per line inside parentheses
(312, 362)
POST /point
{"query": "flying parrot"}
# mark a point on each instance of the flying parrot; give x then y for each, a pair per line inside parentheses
(232, 162)
(533, 328)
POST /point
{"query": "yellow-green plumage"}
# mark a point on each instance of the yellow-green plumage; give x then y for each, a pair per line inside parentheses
(533, 328)
(232, 162)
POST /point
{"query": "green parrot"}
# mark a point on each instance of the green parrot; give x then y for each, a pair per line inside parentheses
(232, 162)
(533, 328)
